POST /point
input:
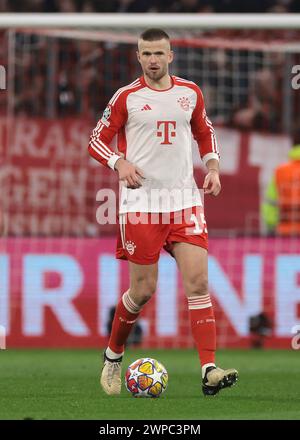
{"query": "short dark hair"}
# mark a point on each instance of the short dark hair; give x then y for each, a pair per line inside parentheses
(154, 34)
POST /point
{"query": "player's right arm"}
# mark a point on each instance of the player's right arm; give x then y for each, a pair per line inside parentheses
(113, 119)
(130, 174)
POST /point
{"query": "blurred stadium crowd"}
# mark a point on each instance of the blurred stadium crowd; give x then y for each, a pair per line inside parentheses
(150, 6)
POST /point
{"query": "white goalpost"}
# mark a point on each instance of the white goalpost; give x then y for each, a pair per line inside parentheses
(134, 21)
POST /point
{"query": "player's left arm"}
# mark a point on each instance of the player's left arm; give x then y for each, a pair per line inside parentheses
(212, 184)
(204, 134)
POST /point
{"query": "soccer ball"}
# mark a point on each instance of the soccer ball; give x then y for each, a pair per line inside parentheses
(146, 377)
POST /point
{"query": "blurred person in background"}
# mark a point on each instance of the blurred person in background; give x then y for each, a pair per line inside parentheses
(188, 6)
(4, 6)
(281, 207)
(264, 110)
(133, 6)
(24, 6)
(67, 6)
(260, 327)
(185, 6)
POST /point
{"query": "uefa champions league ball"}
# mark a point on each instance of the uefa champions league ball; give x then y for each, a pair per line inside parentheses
(146, 377)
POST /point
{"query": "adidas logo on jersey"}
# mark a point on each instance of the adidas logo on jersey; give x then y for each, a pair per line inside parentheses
(146, 107)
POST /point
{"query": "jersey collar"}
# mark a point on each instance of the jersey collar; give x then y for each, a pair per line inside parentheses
(142, 79)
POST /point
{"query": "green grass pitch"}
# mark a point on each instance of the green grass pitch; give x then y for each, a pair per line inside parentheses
(63, 384)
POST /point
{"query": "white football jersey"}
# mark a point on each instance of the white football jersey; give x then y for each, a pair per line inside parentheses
(154, 130)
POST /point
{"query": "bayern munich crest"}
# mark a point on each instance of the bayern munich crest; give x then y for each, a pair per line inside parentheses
(130, 247)
(184, 103)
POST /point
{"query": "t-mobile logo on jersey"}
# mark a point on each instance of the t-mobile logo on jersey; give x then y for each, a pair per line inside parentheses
(166, 131)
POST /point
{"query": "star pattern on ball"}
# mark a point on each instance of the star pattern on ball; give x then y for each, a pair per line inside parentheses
(135, 373)
(156, 376)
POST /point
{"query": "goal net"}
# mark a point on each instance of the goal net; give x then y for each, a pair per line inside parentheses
(59, 278)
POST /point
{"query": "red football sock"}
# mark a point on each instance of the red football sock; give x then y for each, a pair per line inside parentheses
(126, 314)
(203, 327)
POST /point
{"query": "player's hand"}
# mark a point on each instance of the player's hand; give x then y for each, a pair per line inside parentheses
(212, 183)
(130, 174)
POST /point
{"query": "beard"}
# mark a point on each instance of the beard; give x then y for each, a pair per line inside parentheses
(156, 75)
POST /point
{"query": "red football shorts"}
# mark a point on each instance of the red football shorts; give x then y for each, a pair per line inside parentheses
(141, 236)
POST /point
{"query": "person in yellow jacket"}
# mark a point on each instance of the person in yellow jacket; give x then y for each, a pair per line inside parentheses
(281, 207)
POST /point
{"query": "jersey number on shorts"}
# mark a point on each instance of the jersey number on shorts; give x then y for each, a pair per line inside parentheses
(200, 227)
